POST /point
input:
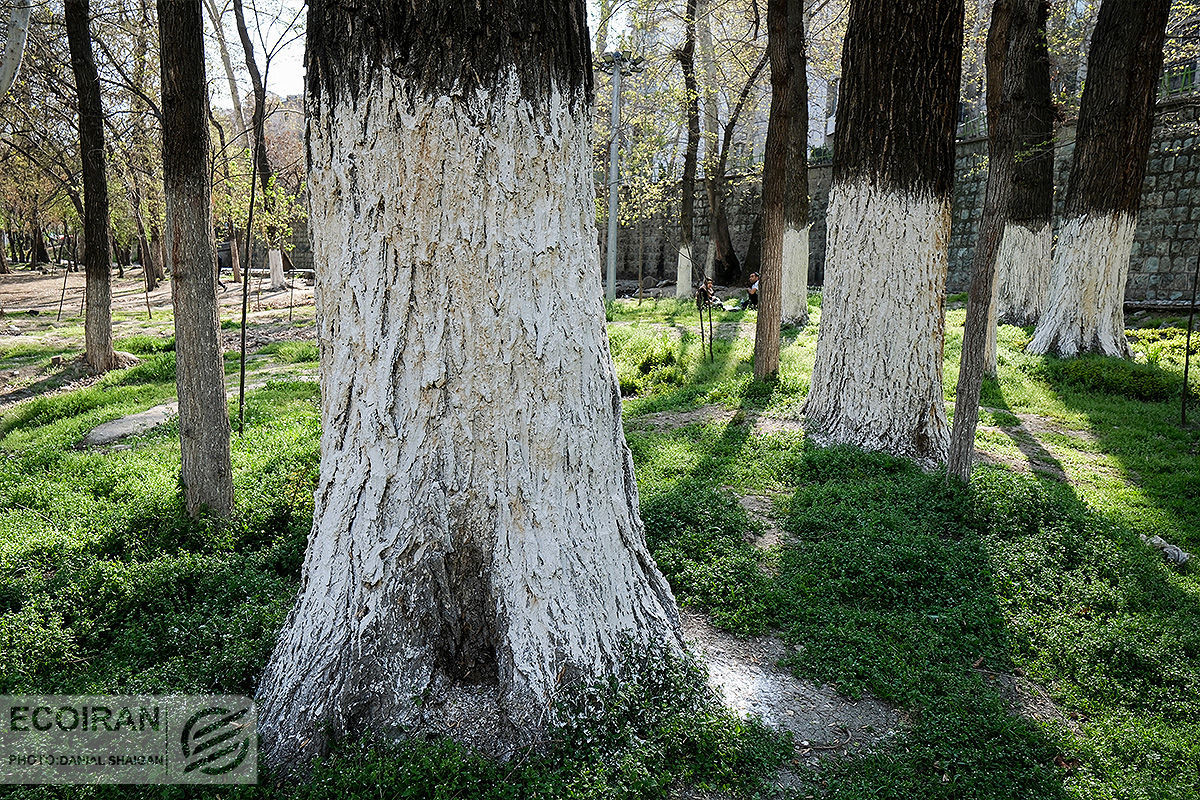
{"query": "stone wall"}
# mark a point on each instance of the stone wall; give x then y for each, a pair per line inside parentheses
(1164, 251)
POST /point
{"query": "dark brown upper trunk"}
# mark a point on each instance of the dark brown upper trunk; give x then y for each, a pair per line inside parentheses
(476, 43)
(1116, 117)
(1032, 200)
(896, 116)
(97, 260)
(199, 373)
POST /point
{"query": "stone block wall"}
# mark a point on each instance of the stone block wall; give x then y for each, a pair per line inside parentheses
(1164, 252)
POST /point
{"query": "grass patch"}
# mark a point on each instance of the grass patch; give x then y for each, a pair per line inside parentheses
(887, 581)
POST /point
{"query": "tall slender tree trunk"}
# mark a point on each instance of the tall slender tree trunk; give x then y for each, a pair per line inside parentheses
(877, 380)
(97, 260)
(4, 270)
(685, 265)
(1085, 312)
(784, 183)
(204, 431)
(1023, 263)
(1011, 44)
(257, 124)
(476, 544)
(239, 118)
(720, 262)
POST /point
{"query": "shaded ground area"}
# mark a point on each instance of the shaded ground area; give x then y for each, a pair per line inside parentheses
(745, 673)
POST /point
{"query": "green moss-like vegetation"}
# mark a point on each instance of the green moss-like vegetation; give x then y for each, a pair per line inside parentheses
(886, 580)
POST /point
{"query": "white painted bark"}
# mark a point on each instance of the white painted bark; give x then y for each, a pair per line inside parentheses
(877, 380)
(795, 276)
(683, 271)
(14, 48)
(275, 260)
(1023, 266)
(476, 542)
(1085, 310)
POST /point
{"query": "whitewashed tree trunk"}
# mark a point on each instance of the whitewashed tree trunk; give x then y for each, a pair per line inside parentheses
(877, 381)
(476, 545)
(14, 47)
(275, 260)
(683, 271)
(1085, 312)
(1023, 273)
(795, 276)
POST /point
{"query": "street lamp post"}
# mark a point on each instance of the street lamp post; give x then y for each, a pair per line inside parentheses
(616, 63)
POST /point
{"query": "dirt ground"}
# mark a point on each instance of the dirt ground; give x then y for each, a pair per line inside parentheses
(30, 303)
(41, 291)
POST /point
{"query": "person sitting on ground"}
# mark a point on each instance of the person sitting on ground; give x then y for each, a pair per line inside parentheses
(752, 297)
(706, 295)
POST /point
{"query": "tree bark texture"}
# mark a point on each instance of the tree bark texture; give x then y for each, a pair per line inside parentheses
(685, 264)
(1085, 308)
(97, 260)
(877, 380)
(204, 431)
(14, 47)
(1024, 260)
(789, 100)
(1011, 43)
(476, 543)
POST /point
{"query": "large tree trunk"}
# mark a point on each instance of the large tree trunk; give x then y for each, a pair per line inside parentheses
(877, 380)
(784, 183)
(97, 260)
(1011, 44)
(1085, 309)
(14, 47)
(476, 543)
(687, 206)
(204, 431)
(1024, 260)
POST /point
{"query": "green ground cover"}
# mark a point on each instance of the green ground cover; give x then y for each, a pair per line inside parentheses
(887, 580)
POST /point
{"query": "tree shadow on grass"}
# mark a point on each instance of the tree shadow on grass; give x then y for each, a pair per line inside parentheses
(1133, 414)
(1040, 461)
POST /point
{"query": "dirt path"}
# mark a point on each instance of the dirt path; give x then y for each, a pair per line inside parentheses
(34, 290)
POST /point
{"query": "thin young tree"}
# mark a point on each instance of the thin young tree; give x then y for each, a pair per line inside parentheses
(687, 204)
(476, 541)
(1011, 44)
(877, 380)
(1023, 262)
(785, 183)
(204, 431)
(258, 118)
(1085, 312)
(98, 338)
